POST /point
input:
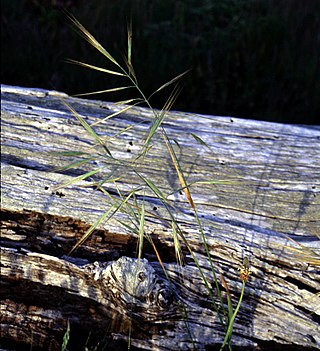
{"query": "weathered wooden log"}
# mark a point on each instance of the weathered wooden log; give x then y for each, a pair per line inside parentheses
(267, 201)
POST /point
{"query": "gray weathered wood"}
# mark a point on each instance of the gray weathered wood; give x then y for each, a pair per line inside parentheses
(269, 197)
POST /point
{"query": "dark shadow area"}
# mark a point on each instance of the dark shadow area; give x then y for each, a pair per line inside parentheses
(250, 59)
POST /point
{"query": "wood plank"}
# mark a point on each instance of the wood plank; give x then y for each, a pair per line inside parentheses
(268, 198)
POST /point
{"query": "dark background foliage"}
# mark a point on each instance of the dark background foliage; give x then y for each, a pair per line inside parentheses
(248, 58)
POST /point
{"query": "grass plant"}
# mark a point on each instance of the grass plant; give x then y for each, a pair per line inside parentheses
(127, 204)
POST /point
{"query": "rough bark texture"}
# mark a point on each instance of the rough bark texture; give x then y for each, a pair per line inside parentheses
(256, 189)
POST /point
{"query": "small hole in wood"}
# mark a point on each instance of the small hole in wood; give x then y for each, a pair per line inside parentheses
(141, 277)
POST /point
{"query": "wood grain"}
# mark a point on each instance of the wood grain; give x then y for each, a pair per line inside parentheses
(256, 188)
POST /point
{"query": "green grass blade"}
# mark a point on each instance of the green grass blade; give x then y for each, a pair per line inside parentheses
(91, 229)
(160, 196)
(66, 337)
(199, 140)
(130, 228)
(179, 171)
(172, 98)
(129, 31)
(153, 187)
(115, 114)
(175, 79)
(138, 213)
(88, 128)
(105, 180)
(125, 102)
(176, 243)
(123, 131)
(106, 216)
(159, 117)
(79, 178)
(176, 142)
(230, 326)
(105, 91)
(192, 204)
(154, 126)
(225, 285)
(129, 208)
(141, 231)
(74, 164)
(91, 40)
(135, 215)
(96, 68)
(128, 60)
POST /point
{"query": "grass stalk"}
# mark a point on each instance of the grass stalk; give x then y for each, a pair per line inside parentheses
(230, 326)
(134, 210)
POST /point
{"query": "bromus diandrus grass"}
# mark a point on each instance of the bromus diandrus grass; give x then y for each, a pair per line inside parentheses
(127, 202)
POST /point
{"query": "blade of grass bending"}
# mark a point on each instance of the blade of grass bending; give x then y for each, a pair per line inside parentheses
(136, 215)
(159, 117)
(131, 229)
(158, 256)
(230, 326)
(90, 39)
(176, 243)
(225, 285)
(128, 61)
(99, 221)
(199, 140)
(79, 178)
(305, 254)
(192, 204)
(116, 113)
(141, 231)
(209, 258)
(172, 98)
(66, 337)
(91, 229)
(125, 102)
(129, 31)
(153, 187)
(99, 185)
(129, 209)
(123, 130)
(169, 83)
(74, 164)
(176, 142)
(179, 171)
(96, 68)
(88, 128)
(132, 214)
(160, 196)
(105, 91)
